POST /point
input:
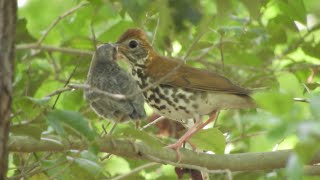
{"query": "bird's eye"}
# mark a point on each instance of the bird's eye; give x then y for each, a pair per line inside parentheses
(133, 44)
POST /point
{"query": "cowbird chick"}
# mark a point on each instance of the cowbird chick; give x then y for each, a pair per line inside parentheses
(106, 75)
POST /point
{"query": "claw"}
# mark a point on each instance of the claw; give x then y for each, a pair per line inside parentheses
(176, 146)
(194, 129)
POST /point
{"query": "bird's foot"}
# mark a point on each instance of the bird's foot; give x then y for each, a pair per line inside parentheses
(176, 146)
(194, 147)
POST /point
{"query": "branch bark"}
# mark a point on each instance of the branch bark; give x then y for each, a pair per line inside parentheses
(8, 10)
(190, 159)
(50, 48)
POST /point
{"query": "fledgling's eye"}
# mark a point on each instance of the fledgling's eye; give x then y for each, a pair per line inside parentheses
(133, 44)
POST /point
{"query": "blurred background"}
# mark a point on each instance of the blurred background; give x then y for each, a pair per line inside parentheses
(270, 46)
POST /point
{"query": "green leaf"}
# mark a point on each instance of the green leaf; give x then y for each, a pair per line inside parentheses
(136, 9)
(117, 165)
(295, 9)
(30, 108)
(74, 120)
(253, 7)
(22, 34)
(88, 165)
(60, 164)
(71, 100)
(209, 139)
(115, 31)
(141, 135)
(315, 106)
(244, 58)
(309, 135)
(33, 130)
(312, 49)
(41, 101)
(50, 11)
(201, 45)
(275, 102)
(290, 84)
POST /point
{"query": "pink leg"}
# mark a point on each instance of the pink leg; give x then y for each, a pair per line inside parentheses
(195, 128)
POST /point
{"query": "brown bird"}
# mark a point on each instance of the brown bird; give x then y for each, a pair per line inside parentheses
(178, 91)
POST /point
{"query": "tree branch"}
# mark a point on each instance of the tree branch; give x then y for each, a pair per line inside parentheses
(8, 18)
(50, 48)
(58, 19)
(139, 150)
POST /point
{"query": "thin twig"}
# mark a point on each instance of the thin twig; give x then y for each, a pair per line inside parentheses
(55, 66)
(88, 87)
(301, 100)
(65, 85)
(152, 123)
(193, 44)
(62, 170)
(136, 170)
(106, 157)
(247, 136)
(112, 128)
(58, 19)
(59, 91)
(221, 50)
(94, 40)
(155, 31)
(37, 170)
(50, 48)
(297, 43)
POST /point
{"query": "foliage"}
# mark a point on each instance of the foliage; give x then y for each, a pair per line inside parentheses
(270, 46)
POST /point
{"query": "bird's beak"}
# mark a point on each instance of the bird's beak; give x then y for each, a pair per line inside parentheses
(116, 45)
(118, 54)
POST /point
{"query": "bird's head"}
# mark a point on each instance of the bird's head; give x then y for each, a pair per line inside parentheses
(105, 52)
(134, 45)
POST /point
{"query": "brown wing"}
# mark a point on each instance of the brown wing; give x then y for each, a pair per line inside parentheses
(192, 78)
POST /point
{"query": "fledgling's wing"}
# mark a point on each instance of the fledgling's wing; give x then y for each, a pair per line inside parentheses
(129, 87)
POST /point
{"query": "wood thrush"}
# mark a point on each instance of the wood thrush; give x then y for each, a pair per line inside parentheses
(106, 75)
(179, 92)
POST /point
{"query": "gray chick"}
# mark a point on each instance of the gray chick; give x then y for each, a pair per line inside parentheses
(106, 75)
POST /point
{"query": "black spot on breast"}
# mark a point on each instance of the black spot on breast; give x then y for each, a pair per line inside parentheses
(166, 99)
(156, 90)
(145, 94)
(196, 106)
(192, 97)
(184, 109)
(140, 73)
(160, 108)
(152, 97)
(156, 100)
(183, 97)
(134, 72)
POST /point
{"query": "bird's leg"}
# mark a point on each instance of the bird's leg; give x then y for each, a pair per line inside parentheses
(195, 128)
(177, 145)
(212, 117)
